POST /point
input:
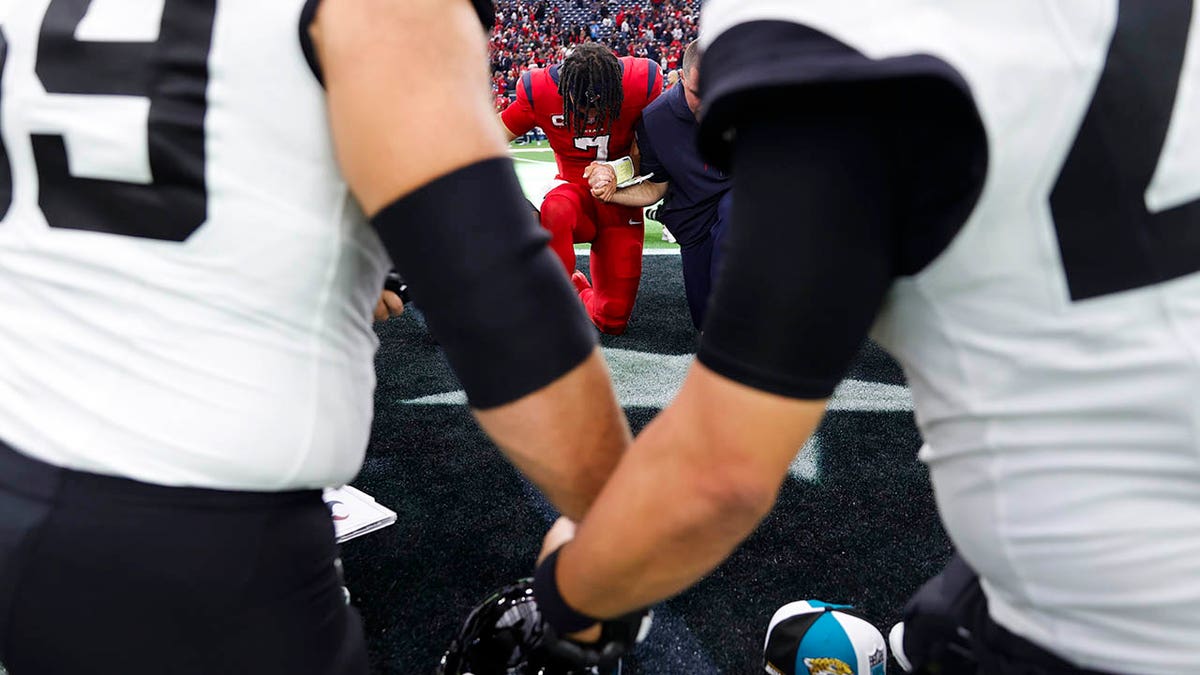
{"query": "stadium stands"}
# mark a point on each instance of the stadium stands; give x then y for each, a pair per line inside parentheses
(537, 33)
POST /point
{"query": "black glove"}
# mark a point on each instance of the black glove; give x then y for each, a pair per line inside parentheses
(506, 635)
(617, 638)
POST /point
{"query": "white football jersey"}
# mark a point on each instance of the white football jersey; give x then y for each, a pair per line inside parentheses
(1054, 348)
(186, 283)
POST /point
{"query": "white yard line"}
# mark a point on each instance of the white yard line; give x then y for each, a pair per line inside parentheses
(648, 251)
(532, 161)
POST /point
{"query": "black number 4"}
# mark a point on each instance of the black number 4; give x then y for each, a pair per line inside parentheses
(1109, 240)
(172, 73)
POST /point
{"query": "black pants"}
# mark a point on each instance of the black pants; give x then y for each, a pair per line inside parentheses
(701, 261)
(947, 630)
(106, 575)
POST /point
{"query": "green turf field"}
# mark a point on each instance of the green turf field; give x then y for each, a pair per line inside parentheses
(536, 168)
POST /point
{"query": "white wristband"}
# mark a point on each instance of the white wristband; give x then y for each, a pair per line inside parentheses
(623, 169)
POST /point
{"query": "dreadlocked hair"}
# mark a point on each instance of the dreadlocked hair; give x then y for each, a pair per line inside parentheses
(590, 79)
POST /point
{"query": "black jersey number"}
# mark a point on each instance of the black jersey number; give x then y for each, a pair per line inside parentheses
(163, 196)
(1109, 239)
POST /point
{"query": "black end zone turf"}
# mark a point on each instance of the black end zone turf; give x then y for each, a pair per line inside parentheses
(859, 528)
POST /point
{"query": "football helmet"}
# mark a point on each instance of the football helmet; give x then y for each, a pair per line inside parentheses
(396, 284)
(505, 635)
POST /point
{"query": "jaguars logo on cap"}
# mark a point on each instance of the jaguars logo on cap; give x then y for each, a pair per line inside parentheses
(828, 667)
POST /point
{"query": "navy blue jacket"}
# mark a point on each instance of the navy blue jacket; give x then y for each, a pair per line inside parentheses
(666, 136)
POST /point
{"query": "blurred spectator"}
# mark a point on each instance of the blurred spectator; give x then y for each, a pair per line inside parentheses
(533, 34)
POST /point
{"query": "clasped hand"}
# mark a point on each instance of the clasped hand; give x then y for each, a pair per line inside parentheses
(602, 180)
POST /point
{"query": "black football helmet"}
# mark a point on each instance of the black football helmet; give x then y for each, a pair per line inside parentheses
(396, 284)
(505, 635)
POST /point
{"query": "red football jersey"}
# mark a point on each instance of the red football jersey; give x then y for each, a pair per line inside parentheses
(539, 104)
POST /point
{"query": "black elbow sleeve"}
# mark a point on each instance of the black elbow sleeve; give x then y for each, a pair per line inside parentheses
(492, 292)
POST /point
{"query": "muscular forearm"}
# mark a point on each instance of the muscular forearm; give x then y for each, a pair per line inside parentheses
(653, 536)
(566, 437)
(643, 194)
(686, 494)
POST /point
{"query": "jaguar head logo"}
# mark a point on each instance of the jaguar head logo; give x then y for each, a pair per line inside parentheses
(828, 667)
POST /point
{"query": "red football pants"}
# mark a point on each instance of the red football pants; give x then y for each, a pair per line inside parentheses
(616, 233)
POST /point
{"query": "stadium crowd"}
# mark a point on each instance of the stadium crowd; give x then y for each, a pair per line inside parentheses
(533, 34)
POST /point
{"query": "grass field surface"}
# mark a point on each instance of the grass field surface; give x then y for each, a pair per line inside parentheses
(536, 169)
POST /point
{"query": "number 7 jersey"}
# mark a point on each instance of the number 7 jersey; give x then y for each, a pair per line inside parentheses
(186, 283)
(539, 104)
(1053, 348)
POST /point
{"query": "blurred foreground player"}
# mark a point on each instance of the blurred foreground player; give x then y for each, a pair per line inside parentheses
(588, 107)
(193, 234)
(1020, 224)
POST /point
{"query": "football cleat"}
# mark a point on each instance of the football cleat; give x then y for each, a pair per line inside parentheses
(505, 635)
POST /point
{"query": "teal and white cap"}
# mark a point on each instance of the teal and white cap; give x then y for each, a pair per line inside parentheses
(811, 637)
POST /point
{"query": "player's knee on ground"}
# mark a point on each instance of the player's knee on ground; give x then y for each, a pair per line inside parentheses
(614, 301)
